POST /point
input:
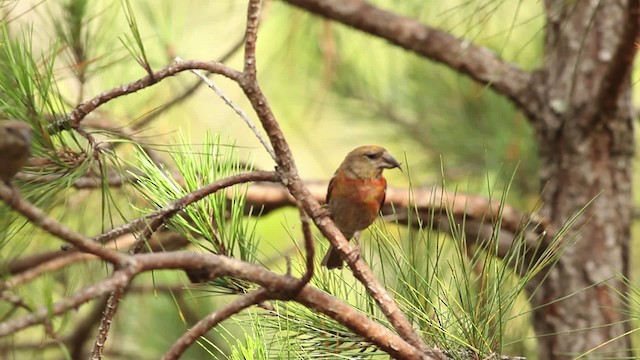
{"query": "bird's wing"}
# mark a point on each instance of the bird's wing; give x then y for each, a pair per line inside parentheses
(384, 194)
(330, 189)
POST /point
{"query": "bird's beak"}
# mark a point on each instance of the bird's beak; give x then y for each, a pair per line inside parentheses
(389, 162)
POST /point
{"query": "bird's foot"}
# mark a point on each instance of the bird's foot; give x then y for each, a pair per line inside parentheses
(15, 196)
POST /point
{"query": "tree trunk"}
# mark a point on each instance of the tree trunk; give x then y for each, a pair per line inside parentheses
(585, 141)
(579, 103)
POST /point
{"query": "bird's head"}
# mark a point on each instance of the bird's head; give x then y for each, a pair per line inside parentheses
(368, 161)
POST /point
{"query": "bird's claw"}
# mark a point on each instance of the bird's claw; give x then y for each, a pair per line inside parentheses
(15, 197)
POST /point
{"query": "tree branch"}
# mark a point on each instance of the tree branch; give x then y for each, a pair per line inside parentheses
(429, 207)
(479, 63)
(622, 61)
(291, 179)
(40, 219)
(213, 319)
(162, 215)
(186, 94)
(119, 278)
(279, 286)
(83, 109)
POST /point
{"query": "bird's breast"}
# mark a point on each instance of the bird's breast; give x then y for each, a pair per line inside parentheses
(355, 203)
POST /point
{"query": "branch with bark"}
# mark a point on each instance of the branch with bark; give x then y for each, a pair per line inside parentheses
(405, 342)
(479, 63)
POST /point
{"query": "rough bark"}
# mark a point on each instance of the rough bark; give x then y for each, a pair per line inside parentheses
(586, 150)
(579, 104)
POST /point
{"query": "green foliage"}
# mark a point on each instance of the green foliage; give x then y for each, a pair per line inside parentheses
(214, 224)
(458, 292)
(134, 43)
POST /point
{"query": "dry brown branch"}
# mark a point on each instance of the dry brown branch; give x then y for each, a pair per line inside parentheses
(107, 319)
(428, 207)
(279, 286)
(82, 330)
(479, 63)
(621, 64)
(119, 279)
(213, 319)
(291, 179)
(83, 109)
(186, 94)
(38, 218)
(29, 268)
(309, 246)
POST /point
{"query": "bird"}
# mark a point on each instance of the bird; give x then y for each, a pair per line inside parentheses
(356, 193)
(15, 148)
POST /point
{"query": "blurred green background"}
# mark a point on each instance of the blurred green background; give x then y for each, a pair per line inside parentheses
(330, 87)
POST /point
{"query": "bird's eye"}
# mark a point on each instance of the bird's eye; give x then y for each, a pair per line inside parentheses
(372, 155)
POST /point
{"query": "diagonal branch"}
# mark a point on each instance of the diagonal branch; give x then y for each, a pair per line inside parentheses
(279, 286)
(40, 219)
(479, 63)
(213, 319)
(84, 108)
(291, 179)
(429, 208)
(117, 295)
(162, 215)
(622, 62)
(119, 279)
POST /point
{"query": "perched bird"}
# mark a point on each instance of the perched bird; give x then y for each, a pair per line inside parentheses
(15, 147)
(356, 193)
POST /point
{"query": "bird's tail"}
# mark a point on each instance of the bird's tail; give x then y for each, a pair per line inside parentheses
(332, 259)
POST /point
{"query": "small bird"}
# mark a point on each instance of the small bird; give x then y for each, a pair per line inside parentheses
(15, 147)
(356, 193)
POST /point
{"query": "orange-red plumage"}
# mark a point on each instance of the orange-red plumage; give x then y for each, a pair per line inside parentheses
(356, 193)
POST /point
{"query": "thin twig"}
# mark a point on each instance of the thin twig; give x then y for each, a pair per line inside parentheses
(107, 319)
(119, 278)
(144, 221)
(40, 219)
(186, 93)
(82, 329)
(213, 319)
(83, 109)
(309, 246)
(235, 108)
(161, 216)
